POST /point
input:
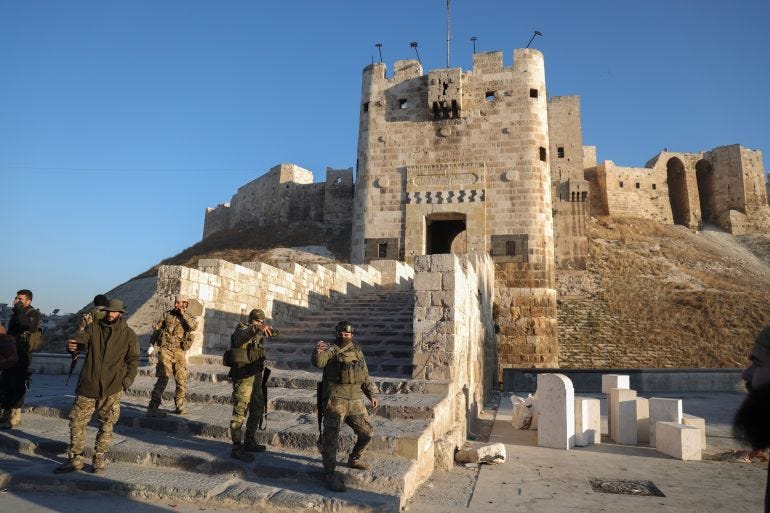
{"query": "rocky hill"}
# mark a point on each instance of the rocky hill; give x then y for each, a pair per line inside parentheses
(658, 295)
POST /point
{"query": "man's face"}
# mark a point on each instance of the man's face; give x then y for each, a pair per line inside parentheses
(345, 337)
(757, 373)
(180, 305)
(113, 316)
(24, 300)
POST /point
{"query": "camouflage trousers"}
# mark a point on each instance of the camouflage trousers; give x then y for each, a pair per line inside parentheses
(108, 409)
(171, 362)
(353, 413)
(247, 398)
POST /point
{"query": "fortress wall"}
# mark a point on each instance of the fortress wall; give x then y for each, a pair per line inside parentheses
(640, 192)
(454, 337)
(229, 291)
(217, 219)
(566, 139)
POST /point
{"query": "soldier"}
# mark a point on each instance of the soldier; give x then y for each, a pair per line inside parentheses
(14, 381)
(173, 333)
(345, 376)
(94, 314)
(247, 356)
(110, 367)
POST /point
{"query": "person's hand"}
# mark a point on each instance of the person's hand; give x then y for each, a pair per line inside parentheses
(151, 350)
(321, 346)
(72, 346)
(266, 330)
(375, 402)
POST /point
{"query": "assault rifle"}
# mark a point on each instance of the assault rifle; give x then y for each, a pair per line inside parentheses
(75, 355)
(265, 377)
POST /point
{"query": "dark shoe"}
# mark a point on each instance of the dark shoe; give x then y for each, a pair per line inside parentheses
(154, 412)
(99, 463)
(13, 419)
(252, 446)
(239, 453)
(358, 464)
(335, 482)
(71, 465)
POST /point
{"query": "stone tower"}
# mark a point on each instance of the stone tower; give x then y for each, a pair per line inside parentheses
(457, 162)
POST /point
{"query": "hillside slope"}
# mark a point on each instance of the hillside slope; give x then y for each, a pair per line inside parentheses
(662, 296)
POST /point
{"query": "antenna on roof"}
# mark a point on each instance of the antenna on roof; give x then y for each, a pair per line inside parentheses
(448, 38)
(379, 49)
(413, 44)
(473, 40)
(537, 33)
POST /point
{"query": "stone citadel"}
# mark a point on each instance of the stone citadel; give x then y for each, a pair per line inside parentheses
(483, 161)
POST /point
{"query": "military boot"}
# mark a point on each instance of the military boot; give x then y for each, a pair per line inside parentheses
(155, 412)
(239, 453)
(99, 463)
(354, 462)
(13, 420)
(74, 463)
(180, 409)
(252, 446)
(334, 482)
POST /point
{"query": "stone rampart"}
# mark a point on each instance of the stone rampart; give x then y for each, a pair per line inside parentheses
(454, 337)
(229, 291)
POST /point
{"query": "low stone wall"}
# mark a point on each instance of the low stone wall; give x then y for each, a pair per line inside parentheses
(229, 291)
(454, 338)
(642, 380)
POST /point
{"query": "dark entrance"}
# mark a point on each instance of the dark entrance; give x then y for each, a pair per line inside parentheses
(677, 191)
(705, 175)
(445, 233)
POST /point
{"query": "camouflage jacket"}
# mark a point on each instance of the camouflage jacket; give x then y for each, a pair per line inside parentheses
(249, 336)
(345, 373)
(173, 330)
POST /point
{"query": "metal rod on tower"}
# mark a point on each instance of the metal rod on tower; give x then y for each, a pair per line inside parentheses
(448, 32)
(379, 49)
(413, 44)
(537, 33)
(473, 40)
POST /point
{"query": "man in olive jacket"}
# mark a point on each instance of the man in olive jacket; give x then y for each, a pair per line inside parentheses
(109, 369)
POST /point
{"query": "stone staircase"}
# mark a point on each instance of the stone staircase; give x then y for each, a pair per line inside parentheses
(187, 458)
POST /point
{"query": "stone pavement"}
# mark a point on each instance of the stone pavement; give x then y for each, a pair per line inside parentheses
(557, 481)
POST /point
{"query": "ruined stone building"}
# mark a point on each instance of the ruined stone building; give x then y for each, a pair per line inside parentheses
(483, 161)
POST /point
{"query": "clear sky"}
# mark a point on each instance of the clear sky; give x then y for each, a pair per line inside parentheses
(121, 121)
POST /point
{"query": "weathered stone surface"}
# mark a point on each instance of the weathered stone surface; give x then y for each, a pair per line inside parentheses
(494, 453)
(556, 411)
(663, 410)
(677, 440)
(623, 405)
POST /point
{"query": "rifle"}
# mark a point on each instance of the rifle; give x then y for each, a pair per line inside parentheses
(319, 404)
(73, 364)
(263, 420)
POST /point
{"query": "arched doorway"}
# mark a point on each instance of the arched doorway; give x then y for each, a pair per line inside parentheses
(705, 176)
(445, 233)
(677, 191)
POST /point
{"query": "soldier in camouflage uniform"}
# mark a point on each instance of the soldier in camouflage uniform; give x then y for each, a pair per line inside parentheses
(109, 369)
(95, 314)
(173, 333)
(247, 365)
(345, 376)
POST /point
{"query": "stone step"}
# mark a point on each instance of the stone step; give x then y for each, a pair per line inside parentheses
(210, 369)
(298, 400)
(389, 351)
(406, 438)
(197, 469)
(386, 367)
(307, 343)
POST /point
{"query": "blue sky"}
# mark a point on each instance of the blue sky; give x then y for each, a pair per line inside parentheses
(121, 121)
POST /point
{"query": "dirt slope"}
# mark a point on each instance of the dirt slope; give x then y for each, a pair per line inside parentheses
(662, 296)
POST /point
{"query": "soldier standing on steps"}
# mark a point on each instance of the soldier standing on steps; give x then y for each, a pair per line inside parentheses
(94, 314)
(14, 381)
(173, 333)
(247, 363)
(345, 376)
(109, 370)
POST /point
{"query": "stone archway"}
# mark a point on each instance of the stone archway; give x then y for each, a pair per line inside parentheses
(445, 233)
(677, 191)
(704, 173)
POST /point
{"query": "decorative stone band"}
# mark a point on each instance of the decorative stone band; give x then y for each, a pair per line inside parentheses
(461, 196)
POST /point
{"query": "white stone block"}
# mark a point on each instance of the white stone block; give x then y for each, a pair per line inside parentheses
(494, 453)
(610, 381)
(622, 403)
(556, 411)
(663, 410)
(588, 421)
(677, 440)
(696, 422)
(642, 420)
